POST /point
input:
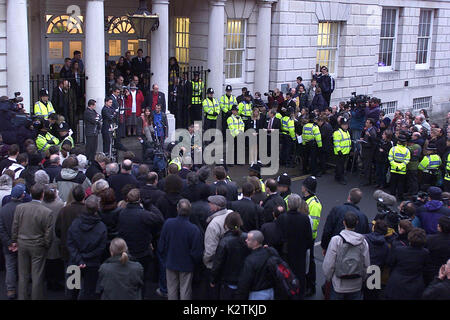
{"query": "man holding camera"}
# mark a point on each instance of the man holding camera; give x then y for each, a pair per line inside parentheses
(325, 82)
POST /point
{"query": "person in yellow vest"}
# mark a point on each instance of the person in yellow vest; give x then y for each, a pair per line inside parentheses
(287, 137)
(284, 187)
(65, 134)
(342, 145)
(226, 102)
(309, 187)
(211, 110)
(429, 167)
(45, 139)
(255, 171)
(246, 109)
(447, 171)
(43, 108)
(236, 127)
(312, 142)
(399, 157)
(196, 87)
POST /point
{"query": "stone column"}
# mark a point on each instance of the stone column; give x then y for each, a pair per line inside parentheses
(95, 52)
(216, 45)
(160, 48)
(263, 46)
(18, 59)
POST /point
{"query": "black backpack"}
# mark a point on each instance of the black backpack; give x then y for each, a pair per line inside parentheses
(285, 279)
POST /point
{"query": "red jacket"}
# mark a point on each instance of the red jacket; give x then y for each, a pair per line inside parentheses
(129, 103)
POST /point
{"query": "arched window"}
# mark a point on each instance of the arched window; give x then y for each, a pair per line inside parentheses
(118, 25)
(64, 24)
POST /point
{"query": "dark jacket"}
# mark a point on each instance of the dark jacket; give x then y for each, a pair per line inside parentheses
(273, 235)
(334, 223)
(276, 124)
(148, 101)
(167, 204)
(93, 169)
(229, 259)
(378, 249)
(86, 240)
(430, 213)
(28, 175)
(138, 67)
(200, 211)
(400, 240)
(271, 202)
(255, 274)
(406, 278)
(53, 171)
(60, 102)
(117, 281)
(150, 195)
(382, 151)
(6, 222)
(120, 180)
(91, 123)
(232, 194)
(111, 220)
(326, 131)
(439, 246)
(319, 103)
(108, 118)
(181, 244)
(437, 290)
(137, 227)
(258, 197)
(326, 83)
(251, 213)
(63, 222)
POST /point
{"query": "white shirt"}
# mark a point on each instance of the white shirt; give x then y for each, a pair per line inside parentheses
(18, 167)
(133, 105)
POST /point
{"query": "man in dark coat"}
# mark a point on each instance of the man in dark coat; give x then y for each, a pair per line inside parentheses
(326, 83)
(334, 223)
(167, 203)
(431, 211)
(91, 129)
(439, 289)
(326, 131)
(439, 246)
(221, 180)
(86, 241)
(138, 227)
(54, 169)
(60, 99)
(150, 193)
(138, 65)
(272, 201)
(97, 166)
(155, 97)
(250, 212)
(120, 180)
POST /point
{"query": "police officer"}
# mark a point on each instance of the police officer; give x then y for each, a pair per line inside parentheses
(284, 187)
(211, 110)
(236, 127)
(312, 142)
(315, 209)
(43, 107)
(447, 172)
(429, 167)
(255, 171)
(45, 139)
(288, 137)
(246, 109)
(65, 134)
(399, 157)
(342, 145)
(196, 91)
(226, 102)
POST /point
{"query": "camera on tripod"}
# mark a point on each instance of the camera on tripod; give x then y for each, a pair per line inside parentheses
(357, 101)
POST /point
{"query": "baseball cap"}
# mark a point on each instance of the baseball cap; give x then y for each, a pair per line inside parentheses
(17, 191)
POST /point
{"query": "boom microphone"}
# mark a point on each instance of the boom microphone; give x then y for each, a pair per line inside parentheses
(384, 197)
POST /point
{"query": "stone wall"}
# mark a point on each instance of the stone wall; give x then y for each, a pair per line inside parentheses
(3, 82)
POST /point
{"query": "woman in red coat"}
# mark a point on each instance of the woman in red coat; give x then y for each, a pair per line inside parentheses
(133, 102)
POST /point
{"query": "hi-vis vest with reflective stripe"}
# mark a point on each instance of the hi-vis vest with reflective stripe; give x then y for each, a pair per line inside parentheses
(197, 90)
(288, 127)
(399, 157)
(235, 125)
(42, 142)
(263, 186)
(43, 111)
(210, 107)
(311, 132)
(70, 139)
(430, 164)
(315, 209)
(177, 161)
(342, 141)
(245, 110)
(447, 169)
(226, 103)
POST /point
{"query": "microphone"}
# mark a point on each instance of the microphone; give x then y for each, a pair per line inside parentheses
(384, 197)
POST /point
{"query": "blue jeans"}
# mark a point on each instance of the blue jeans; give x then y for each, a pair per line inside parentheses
(345, 296)
(11, 269)
(266, 294)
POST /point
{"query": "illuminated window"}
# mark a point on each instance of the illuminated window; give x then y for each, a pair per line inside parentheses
(64, 24)
(327, 46)
(386, 53)
(182, 41)
(55, 50)
(120, 25)
(424, 38)
(76, 46)
(133, 46)
(115, 47)
(235, 49)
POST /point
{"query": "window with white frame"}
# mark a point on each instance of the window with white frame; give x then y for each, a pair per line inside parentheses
(389, 107)
(421, 103)
(388, 35)
(182, 41)
(235, 49)
(424, 38)
(327, 46)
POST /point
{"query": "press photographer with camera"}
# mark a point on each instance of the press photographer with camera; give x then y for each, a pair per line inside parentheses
(274, 95)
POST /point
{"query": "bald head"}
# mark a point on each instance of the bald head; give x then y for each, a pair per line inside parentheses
(126, 166)
(54, 159)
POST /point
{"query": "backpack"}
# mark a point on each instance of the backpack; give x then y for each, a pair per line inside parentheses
(349, 261)
(285, 279)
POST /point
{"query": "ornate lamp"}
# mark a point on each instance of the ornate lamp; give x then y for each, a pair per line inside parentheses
(143, 21)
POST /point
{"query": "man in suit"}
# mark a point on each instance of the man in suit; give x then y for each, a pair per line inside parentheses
(184, 98)
(273, 123)
(155, 97)
(115, 96)
(221, 180)
(60, 99)
(138, 64)
(66, 70)
(91, 129)
(32, 235)
(251, 213)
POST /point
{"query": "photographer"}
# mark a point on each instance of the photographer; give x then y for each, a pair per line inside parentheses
(325, 82)
(274, 95)
(92, 127)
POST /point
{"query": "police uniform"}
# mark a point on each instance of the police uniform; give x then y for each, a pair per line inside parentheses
(42, 109)
(399, 157)
(256, 167)
(236, 127)
(245, 111)
(226, 103)
(45, 139)
(342, 145)
(65, 127)
(197, 88)
(177, 161)
(287, 139)
(447, 174)
(211, 110)
(285, 180)
(312, 142)
(429, 167)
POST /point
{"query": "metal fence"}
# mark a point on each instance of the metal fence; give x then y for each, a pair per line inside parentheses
(203, 76)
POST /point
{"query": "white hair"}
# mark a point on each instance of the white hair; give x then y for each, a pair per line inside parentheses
(6, 180)
(82, 161)
(41, 177)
